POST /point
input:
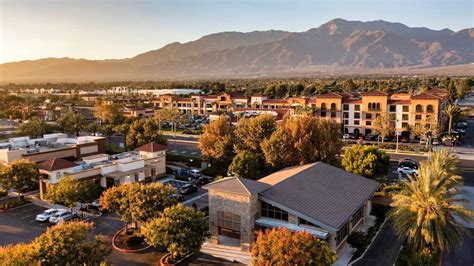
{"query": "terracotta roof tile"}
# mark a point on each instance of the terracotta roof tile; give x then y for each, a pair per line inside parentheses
(151, 147)
(55, 164)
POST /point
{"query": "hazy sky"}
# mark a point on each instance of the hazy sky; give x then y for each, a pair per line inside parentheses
(32, 29)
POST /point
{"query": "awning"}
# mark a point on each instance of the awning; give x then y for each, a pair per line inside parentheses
(268, 222)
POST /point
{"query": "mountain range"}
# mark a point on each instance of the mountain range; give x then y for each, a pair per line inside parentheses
(336, 47)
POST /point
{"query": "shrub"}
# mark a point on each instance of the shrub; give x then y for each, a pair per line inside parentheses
(358, 240)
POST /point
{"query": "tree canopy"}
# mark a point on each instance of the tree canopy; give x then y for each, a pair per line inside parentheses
(367, 161)
(35, 127)
(301, 140)
(179, 228)
(20, 175)
(71, 243)
(69, 191)
(71, 123)
(217, 141)
(283, 247)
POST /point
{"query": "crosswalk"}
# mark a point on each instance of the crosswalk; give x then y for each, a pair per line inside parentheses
(183, 152)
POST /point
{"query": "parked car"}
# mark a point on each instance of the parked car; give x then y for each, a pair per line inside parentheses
(43, 217)
(407, 166)
(346, 136)
(460, 131)
(62, 215)
(201, 181)
(192, 173)
(187, 189)
(371, 137)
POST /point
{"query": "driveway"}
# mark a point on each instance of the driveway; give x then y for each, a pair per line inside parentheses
(19, 224)
(384, 250)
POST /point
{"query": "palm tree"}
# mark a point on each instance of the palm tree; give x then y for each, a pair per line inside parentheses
(451, 111)
(425, 210)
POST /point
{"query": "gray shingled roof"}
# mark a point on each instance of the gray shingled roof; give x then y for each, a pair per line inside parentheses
(238, 185)
(322, 192)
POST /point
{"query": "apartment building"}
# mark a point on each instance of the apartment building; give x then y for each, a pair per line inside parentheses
(355, 112)
(137, 111)
(145, 163)
(50, 146)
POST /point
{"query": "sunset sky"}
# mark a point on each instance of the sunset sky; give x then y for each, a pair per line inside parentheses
(33, 29)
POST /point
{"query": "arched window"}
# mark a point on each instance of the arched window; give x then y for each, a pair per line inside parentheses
(369, 106)
(419, 108)
(429, 108)
(333, 107)
(323, 110)
(378, 106)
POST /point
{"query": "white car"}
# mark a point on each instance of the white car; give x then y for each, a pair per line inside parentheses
(62, 215)
(407, 170)
(43, 217)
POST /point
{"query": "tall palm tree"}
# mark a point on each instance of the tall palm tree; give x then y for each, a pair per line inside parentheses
(451, 111)
(425, 210)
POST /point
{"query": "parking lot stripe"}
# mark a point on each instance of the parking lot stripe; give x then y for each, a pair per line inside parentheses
(19, 207)
(183, 151)
(193, 152)
(25, 211)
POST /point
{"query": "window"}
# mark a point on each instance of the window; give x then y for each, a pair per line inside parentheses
(368, 116)
(357, 107)
(136, 177)
(345, 114)
(346, 122)
(273, 212)
(333, 107)
(304, 222)
(58, 175)
(356, 122)
(406, 109)
(323, 110)
(345, 107)
(429, 108)
(357, 216)
(333, 114)
(228, 220)
(368, 123)
(342, 234)
(393, 108)
(357, 115)
(405, 117)
(404, 124)
(419, 108)
(417, 117)
(377, 106)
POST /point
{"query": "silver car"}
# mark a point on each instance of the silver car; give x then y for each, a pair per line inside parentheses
(43, 217)
(62, 215)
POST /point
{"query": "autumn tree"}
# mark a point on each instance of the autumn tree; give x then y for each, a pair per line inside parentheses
(383, 125)
(426, 128)
(217, 141)
(302, 140)
(71, 123)
(283, 247)
(20, 175)
(181, 229)
(71, 243)
(367, 161)
(35, 127)
(108, 113)
(138, 202)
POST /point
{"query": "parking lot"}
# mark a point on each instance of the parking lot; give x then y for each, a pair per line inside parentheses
(19, 224)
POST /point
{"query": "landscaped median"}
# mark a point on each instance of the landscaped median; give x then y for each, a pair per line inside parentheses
(129, 241)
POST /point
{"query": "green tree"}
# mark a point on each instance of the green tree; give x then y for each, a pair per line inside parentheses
(428, 209)
(348, 85)
(283, 247)
(181, 229)
(35, 127)
(20, 175)
(122, 129)
(301, 140)
(69, 191)
(71, 123)
(281, 91)
(367, 161)
(138, 202)
(246, 165)
(451, 111)
(144, 131)
(217, 141)
(426, 127)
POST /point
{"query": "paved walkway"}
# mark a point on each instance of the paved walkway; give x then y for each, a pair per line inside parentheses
(384, 250)
(228, 250)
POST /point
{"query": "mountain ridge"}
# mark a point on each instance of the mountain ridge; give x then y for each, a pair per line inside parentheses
(375, 45)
